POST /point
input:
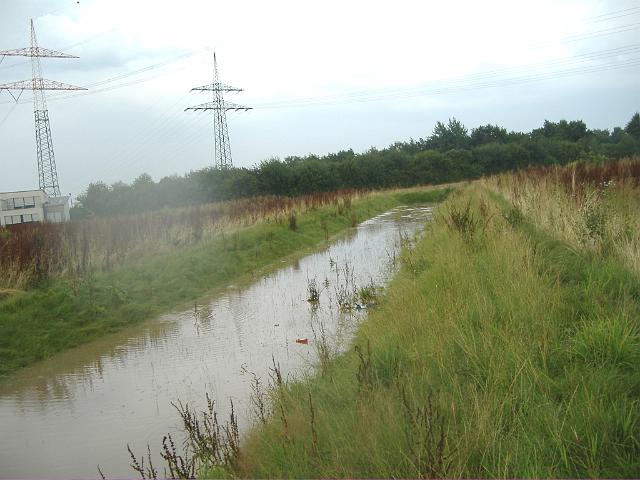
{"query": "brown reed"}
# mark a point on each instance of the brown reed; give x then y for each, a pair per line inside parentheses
(32, 252)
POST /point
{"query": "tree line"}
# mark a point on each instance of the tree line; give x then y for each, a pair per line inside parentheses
(451, 153)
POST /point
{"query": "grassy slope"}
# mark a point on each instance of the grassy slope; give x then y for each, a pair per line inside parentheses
(524, 353)
(63, 314)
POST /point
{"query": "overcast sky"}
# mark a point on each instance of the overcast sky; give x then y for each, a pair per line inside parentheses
(322, 76)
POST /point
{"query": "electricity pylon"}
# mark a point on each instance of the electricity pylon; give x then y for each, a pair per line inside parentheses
(222, 155)
(47, 173)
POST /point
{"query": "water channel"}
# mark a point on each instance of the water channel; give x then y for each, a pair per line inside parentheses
(63, 417)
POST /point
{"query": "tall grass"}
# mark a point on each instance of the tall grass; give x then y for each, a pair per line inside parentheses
(74, 302)
(498, 351)
(592, 207)
(30, 253)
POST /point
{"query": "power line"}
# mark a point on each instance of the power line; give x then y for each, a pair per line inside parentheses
(481, 80)
(47, 171)
(164, 126)
(570, 39)
(6, 117)
(613, 15)
(464, 80)
(140, 139)
(65, 47)
(219, 106)
(590, 35)
(462, 88)
(131, 156)
(122, 76)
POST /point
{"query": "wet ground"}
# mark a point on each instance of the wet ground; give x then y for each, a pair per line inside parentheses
(63, 417)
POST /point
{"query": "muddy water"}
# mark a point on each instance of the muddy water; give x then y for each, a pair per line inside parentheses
(79, 409)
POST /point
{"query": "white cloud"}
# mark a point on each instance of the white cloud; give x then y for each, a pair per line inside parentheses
(291, 50)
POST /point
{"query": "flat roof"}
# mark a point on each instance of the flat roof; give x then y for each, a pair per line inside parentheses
(24, 191)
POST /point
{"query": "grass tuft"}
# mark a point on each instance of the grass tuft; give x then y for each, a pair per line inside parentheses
(515, 358)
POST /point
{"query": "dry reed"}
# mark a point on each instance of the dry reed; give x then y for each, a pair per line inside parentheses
(32, 252)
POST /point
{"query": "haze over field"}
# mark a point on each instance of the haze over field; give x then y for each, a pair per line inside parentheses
(423, 261)
(321, 78)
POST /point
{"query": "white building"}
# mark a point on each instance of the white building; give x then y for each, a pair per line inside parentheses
(32, 206)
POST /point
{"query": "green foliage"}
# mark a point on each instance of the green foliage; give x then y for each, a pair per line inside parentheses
(633, 127)
(461, 221)
(449, 154)
(569, 131)
(63, 313)
(497, 157)
(424, 196)
(488, 134)
(513, 216)
(450, 136)
(603, 343)
(515, 359)
(624, 146)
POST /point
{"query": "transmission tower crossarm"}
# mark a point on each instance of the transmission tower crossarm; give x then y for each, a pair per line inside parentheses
(47, 171)
(35, 52)
(39, 84)
(217, 87)
(219, 106)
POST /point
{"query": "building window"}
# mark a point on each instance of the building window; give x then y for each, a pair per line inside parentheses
(8, 221)
(19, 202)
(35, 217)
(16, 219)
(16, 203)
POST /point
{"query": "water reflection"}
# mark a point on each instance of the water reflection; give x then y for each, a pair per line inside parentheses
(63, 417)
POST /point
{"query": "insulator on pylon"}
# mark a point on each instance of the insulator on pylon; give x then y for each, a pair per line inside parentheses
(222, 154)
(47, 172)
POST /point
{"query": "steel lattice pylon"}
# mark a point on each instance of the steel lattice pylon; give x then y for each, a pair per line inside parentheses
(222, 154)
(47, 172)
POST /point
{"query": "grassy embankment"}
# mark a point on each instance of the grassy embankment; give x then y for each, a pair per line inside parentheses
(497, 351)
(67, 310)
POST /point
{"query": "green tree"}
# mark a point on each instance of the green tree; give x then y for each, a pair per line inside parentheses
(433, 166)
(96, 198)
(274, 177)
(488, 134)
(633, 127)
(461, 165)
(447, 137)
(571, 131)
(450, 153)
(497, 157)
